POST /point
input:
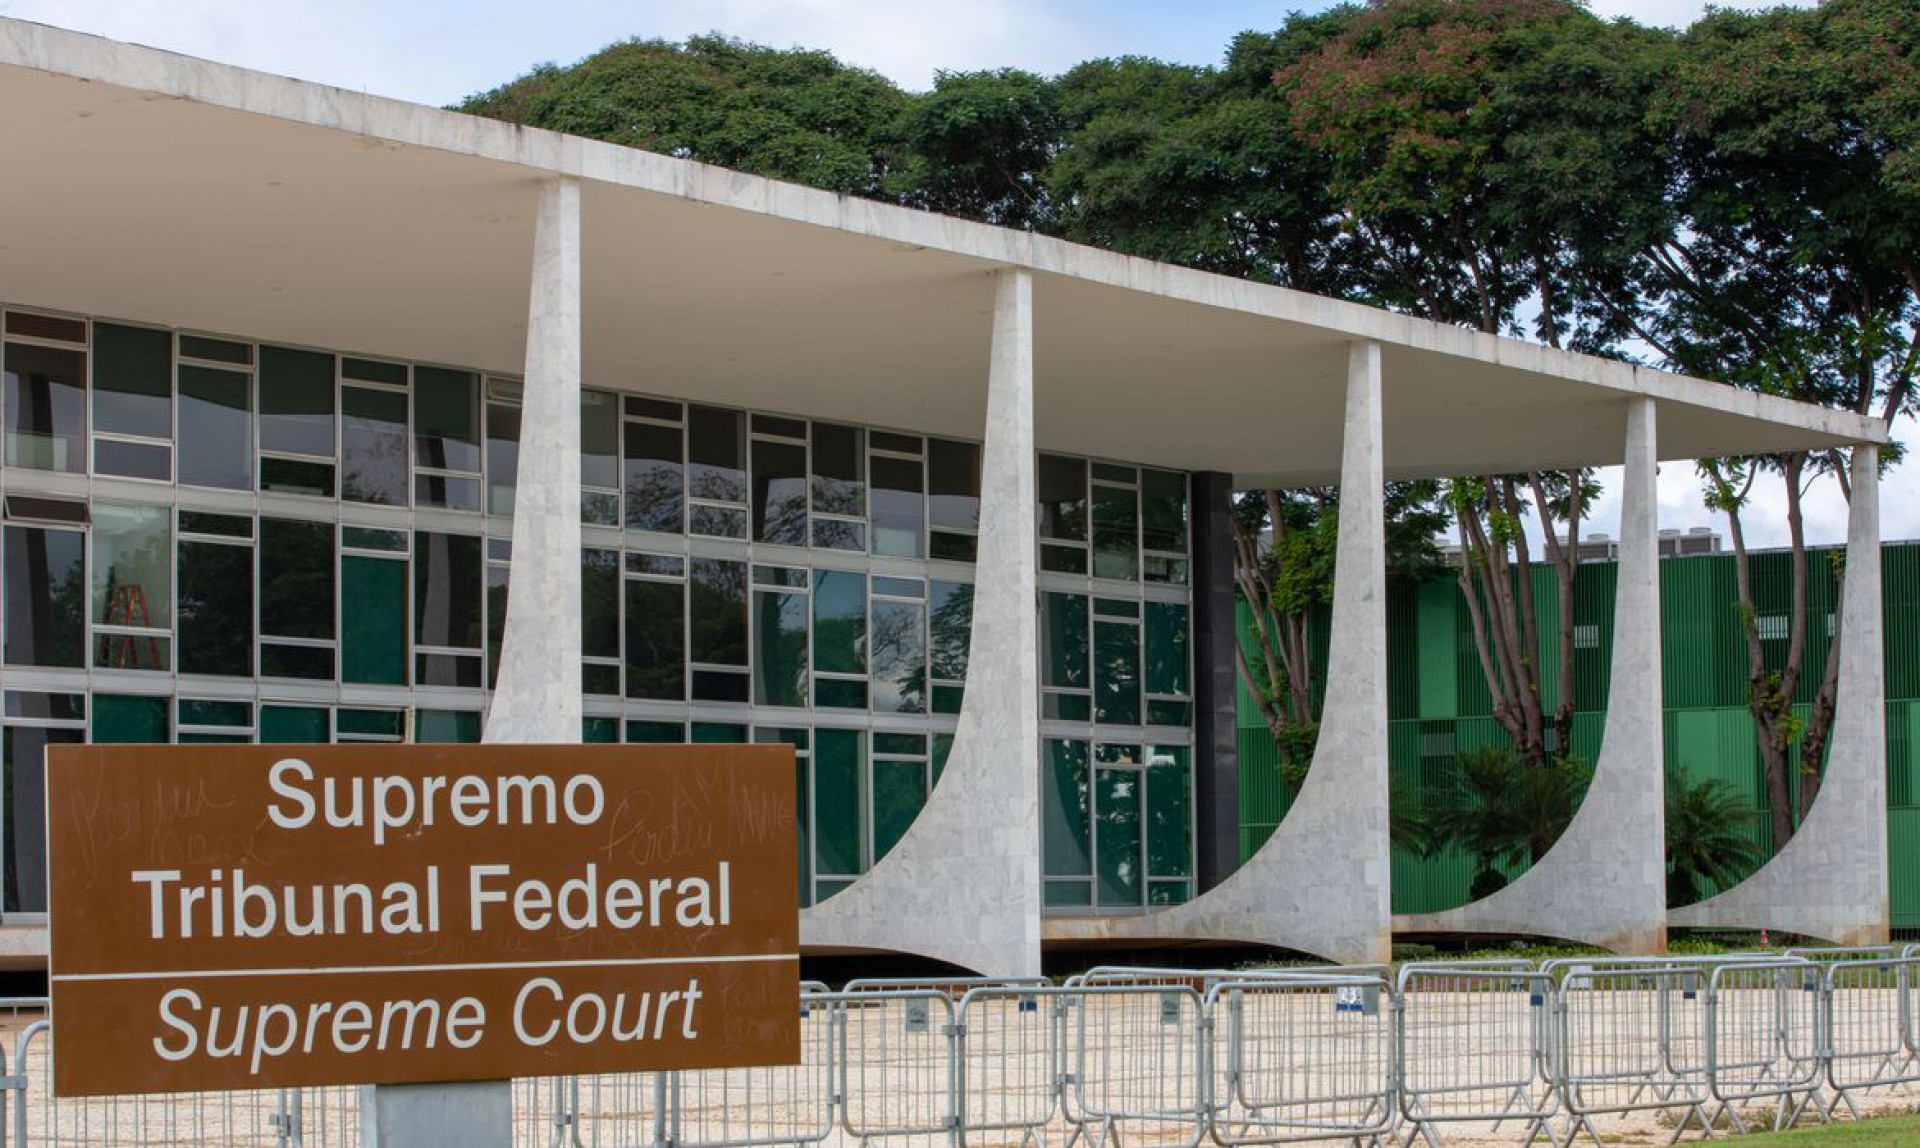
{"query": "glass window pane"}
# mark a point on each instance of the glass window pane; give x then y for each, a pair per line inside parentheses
(953, 484)
(899, 792)
(599, 731)
(1066, 834)
(716, 454)
(656, 733)
(718, 733)
(899, 657)
(373, 371)
(1117, 812)
(656, 640)
(132, 380)
(296, 579)
(897, 499)
(216, 350)
(779, 492)
(503, 456)
(950, 612)
(654, 498)
(1169, 813)
(45, 391)
(496, 620)
(446, 419)
(373, 630)
(294, 725)
(839, 800)
(132, 459)
(216, 609)
(447, 579)
(216, 428)
(25, 750)
(1063, 498)
(840, 622)
(46, 596)
(839, 470)
(600, 603)
(296, 401)
(1163, 510)
(446, 727)
(123, 720)
(717, 594)
(1116, 529)
(599, 440)
(46, 326)
(1063, 641)
(369, 723)
(780, 648)
(1116, 678)
(1166, 626)
(133, 584)
(373, 446)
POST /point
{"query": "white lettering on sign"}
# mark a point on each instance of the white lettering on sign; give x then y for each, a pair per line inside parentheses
(398, 803)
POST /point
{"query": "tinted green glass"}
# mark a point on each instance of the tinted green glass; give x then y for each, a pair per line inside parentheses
(840, 622)
(1116, 679)
(899, 792)
(718, 733)
(656, 733)
(1063, 641)
(448, 585)
(1116, 533)
(1167, 659)
(1066, 832)
(369, 723)
(1117, 813)
(1163, 510)
(600, 603)
(121, 720)
(780, 648)
(295, 725)
(443, 727)
(296, 578)
(832, 693)
(950, 619)
(839, 799)
(717, 605)
(656, 653)
(373, 632)
(1169, 813)
(194, 711)
(599, 731)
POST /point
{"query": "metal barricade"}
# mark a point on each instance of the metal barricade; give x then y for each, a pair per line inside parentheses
(1629, 1036)
(1135, 1064)
(1304, 1058)
(1822, 954)
(781, 1105)
(1763, 1029)
(898, 1074)
(1867, 1016)
(1012, 1061)
(1473, 1049)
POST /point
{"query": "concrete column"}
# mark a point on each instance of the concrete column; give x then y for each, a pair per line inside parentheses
(1830, 880)
(963, 884)
(1321, 884)
(1604, 881)
(1216, 724)
(537, 697)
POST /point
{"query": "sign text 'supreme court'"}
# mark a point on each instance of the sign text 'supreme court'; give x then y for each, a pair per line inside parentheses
(253, 916)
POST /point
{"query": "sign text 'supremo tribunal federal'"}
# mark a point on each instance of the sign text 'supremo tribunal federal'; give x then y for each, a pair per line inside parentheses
(261, 916)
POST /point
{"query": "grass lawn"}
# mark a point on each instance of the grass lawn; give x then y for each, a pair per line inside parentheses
(1881, 1132)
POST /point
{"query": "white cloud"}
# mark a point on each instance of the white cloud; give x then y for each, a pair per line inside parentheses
(1680, 13)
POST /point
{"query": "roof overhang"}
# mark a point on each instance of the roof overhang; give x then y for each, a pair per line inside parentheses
(156, 187)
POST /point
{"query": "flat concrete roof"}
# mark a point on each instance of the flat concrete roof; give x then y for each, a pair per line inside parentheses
(153, 186)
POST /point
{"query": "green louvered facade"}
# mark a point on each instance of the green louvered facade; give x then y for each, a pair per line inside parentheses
(1439, 704)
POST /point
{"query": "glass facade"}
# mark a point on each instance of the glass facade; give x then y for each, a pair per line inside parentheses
(283, 544)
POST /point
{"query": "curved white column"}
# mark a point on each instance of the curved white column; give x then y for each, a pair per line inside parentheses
(1321, 883)
(537, 696)
(1604, 881)
(963, 884)
(1830, 879)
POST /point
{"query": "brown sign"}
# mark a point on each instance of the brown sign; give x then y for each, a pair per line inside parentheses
(260, 916)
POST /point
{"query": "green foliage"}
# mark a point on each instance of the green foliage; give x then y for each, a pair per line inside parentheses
(1709, 841)
(977, 146)
(1506, 812)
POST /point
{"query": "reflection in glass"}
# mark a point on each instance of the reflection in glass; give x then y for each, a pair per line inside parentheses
(45, 417)
(1062, 489)
(1116, 676)
(25, 750)
(950, 618)
(132, 380)
(1163, 510)
(899, 657)
(373, 446)
(780, 648)
(46, 596)
(953, 484)
(446, 419)
(779, 492)
(503, 456)
(447, 578)
(133, 585)
(654, 477)
(716, 454)
(1117, 815)
(899, 792)
(897, 506)
(216, 609)
(656, 640)
(1065, 835)
(600, 604)
(840, 622)
(839, 483)
(717, 596)
(1116, 533)
(216, 428)
(296, 402)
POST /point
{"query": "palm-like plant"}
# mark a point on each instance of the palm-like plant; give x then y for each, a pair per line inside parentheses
(1505, 811)
(1708, 846)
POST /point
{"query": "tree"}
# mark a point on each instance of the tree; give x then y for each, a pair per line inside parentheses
(1791, 266)
(977, 146)
(1708, 846)
(1487, 159)
(791, 114)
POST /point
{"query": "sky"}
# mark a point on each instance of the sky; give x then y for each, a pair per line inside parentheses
(438, 51)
